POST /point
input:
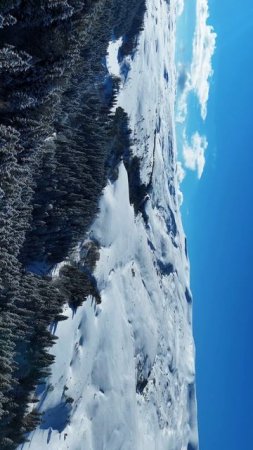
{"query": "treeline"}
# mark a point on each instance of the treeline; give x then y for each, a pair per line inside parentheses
(56, 135)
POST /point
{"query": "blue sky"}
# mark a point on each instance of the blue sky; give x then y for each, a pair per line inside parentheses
(218, 220)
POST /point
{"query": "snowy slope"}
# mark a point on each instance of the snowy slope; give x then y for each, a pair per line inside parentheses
(123, 377)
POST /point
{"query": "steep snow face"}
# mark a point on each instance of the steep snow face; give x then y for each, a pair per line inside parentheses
(123, 376)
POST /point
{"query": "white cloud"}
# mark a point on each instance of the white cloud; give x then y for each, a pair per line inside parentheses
(203, 50)
(182, 104)
(201, 70)
(180, 177)
(180, 7)
(194, 154)
(180, 172)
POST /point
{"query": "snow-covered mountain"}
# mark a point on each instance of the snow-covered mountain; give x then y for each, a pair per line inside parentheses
(124, 371)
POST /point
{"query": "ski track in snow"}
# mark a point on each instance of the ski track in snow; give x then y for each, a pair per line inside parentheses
(143, 324)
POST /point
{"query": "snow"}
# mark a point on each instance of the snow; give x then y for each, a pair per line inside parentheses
(112, 62)
(124, 372)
